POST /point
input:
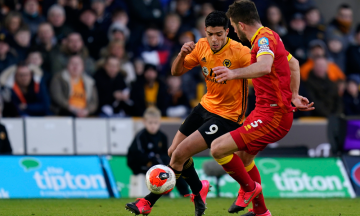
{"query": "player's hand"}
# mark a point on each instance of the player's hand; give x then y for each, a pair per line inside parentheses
(302, 103)
(223, 73)
(187, 48)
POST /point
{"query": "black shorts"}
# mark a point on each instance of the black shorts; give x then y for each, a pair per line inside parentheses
(210, 125)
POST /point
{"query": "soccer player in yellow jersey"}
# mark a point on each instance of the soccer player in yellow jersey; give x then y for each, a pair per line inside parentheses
(221, 110)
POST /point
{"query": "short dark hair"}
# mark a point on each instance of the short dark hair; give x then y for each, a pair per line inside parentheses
(243, 11)
(217, 18)
(344, 6)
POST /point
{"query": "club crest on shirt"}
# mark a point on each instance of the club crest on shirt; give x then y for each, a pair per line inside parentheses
(263, 41)
(205, 71)
(227, 63)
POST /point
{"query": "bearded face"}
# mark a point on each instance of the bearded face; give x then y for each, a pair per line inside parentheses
(241, 35)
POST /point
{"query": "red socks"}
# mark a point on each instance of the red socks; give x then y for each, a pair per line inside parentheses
(235, 168)
(259, 206)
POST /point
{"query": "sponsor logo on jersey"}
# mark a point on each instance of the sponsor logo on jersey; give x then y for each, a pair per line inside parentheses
(227, 63)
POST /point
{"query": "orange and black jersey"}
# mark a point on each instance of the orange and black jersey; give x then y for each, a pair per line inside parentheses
(229, 98)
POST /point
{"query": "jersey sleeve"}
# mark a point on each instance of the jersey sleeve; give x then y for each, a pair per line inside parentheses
(265, 46)
(288, 55)
(192, 59)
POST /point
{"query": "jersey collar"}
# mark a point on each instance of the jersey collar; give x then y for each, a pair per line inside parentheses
(256, 34)
(224, 47)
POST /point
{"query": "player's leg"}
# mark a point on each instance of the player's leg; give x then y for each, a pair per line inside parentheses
(222, 149)
(192, 122)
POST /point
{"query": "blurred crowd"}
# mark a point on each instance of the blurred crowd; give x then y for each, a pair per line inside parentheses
(112, 58)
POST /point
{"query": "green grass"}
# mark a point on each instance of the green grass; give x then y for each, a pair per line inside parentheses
(173, 207)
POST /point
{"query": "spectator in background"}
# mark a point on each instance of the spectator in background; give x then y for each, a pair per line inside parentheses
(341, 25)
(149, 148)
(301, 6)
(179, 105)
(337, 52)
(29, 93)
(351, 96)
(171, 28)
(206, 8)
(22, 43)
(184, 9)
(142, 13)
(72, 11)
(275, 21)
(46, 43)
(314, 27)
(116, 49)
(7, 55)
(32, 15)
(294, 40)
(93, 38)
(148, 91)
(72, 91)
(199, 31)
(317, 48)
(112, 90)
(103, 18)
(57, 17)
(353, 55)
(120, 16)
(322, 91)
(153, 49)
(35, 58)
(119, 32)
(74, 45)
(12, 23)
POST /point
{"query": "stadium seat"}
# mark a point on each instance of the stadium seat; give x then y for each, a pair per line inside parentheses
(138, 186)
(15, 130)
(121, 135)
(91, 136)
(49, 136)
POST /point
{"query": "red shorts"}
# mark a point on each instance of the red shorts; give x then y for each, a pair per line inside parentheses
(260, 129)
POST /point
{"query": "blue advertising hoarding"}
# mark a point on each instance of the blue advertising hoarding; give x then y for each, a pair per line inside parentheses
(52, 177)
(352, 164)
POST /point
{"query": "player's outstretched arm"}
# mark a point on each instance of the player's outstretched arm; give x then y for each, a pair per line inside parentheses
(300, 102)
(177, 68)
(260, 68)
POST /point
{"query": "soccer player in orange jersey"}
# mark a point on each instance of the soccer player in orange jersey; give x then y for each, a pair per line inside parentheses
(276, 87)
(221, 110)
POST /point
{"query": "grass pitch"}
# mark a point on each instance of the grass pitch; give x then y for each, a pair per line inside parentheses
(173, 207)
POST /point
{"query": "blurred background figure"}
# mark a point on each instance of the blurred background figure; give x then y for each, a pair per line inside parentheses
(353, 55)
(351, 96)
(315, 29)
(112, 90)
(318, 48)
(7, 55)
(341, 25)
(57, 17)
(179, 105)
(322, 91)
(32, 16)
(275, 20)
(29, 93)
(22, 43)
(73, 45)
(73, 92)
(148, 91)
(294, 40)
